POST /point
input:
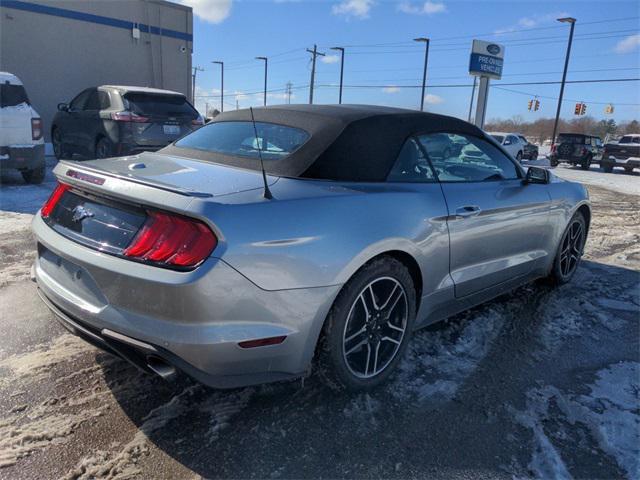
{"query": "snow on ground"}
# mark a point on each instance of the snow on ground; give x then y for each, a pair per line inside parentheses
(609, 412)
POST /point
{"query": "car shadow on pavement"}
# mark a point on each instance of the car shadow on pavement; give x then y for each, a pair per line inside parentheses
(447, 413)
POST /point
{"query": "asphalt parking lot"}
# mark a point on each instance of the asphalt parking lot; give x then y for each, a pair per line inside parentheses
(539, 383)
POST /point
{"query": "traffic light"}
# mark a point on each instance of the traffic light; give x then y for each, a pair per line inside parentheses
(583, 109)
(578, 109)
(530, 104)
(536, 105)
(608, 109)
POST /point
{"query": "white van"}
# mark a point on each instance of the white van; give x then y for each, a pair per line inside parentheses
(21, 131)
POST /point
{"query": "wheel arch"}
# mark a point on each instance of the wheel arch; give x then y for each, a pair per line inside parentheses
(404, 257)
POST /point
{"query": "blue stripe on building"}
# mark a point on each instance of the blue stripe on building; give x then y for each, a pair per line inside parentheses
(98, 19)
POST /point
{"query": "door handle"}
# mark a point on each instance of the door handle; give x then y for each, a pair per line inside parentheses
(468, 211)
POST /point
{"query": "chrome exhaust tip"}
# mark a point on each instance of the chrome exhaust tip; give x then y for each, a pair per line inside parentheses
(161, 368)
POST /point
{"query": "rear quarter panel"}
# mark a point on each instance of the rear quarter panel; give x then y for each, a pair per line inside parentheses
(316, 234)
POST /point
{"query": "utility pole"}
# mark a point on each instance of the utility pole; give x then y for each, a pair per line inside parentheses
(314, 54)
(572, 21)
(206, 109)
(473, 92)
(341, 50)
(424, 73)
(265, 78)
(193, 86)
(289, 85)
(221, 84)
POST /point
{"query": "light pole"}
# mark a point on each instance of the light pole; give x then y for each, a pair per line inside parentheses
(424, 73)
(571, 21)
(265, 78)
(341, 50)
(193, 85)
(221, 84)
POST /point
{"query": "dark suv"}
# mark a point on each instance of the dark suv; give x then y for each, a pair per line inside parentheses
(576, 149)
(114, 120)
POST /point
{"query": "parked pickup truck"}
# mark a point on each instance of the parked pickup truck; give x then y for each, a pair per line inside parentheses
(21, 142)
(624, 153)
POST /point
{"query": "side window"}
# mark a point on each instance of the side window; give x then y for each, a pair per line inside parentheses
(465, 158)
(79, 102)
(93, 102)
(103, 99)
(411, 165)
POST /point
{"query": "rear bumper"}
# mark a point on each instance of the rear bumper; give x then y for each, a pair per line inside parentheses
(192, 320)
(22, 157)
(621, 162)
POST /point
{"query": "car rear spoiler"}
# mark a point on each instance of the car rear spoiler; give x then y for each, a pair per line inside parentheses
(75, 167)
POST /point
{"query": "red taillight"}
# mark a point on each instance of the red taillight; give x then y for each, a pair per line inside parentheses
(55, 197)
(553, 148)
(36, 128)
(127, 116)
(172, 240)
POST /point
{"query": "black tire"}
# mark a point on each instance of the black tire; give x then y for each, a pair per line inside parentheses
(60, 150)
(628, 169)
(104, 148)
(608, 168)
(519, 157)
(562, 272)
(336, 365)
(36, 175)
(586, 164)
(554, 163)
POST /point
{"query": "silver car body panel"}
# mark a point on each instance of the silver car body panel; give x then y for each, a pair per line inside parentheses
(280, 263)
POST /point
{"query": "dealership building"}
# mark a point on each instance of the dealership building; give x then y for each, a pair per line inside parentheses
(58, 48)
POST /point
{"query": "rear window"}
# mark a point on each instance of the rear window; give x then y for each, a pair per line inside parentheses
(239, 139)
(11, 95)
(159, 105)
(567, 138)
(629, 139)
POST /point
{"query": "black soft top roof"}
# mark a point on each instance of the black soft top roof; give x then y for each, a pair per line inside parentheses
(347, 142)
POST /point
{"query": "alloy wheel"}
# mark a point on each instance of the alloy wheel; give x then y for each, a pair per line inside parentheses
(375, 327)
(571, 251)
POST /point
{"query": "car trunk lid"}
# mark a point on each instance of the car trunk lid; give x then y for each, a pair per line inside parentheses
(177, 174)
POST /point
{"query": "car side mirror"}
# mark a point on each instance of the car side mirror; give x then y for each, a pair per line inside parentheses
(63, 107)
(537, 175)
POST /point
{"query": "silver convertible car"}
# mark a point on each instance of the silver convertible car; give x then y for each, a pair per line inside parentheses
(359, 230)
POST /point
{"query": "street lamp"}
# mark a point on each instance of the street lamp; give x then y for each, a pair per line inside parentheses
(265, 78)
(341, 50)
(571, 21)
(221, 84)
(424, 73)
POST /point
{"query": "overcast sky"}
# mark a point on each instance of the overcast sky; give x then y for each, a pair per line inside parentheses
(381, 55)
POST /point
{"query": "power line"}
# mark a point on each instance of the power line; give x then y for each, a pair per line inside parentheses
(468, 85)
(565, 99)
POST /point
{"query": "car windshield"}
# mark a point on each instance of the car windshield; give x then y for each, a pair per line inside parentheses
(159, 105)
(239, 139)
(568, 138)
(630, 139)
(498, 138)
(524, 140)
(12, 95)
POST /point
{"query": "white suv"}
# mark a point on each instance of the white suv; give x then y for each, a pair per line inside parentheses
(21, 141)
(510, 142)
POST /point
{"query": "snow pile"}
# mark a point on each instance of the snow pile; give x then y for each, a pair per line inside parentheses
(438, 362)
(610, 412)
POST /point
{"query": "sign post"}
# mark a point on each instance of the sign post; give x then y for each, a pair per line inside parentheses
(486, 62)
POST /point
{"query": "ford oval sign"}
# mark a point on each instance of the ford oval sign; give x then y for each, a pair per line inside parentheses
(487, 59)
(493, 49)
